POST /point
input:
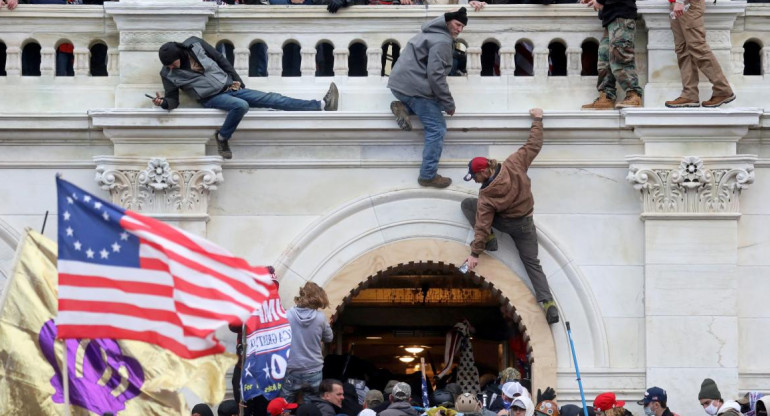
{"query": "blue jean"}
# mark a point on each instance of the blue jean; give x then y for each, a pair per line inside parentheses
(295, 381)
(237, 104)
(429, 113)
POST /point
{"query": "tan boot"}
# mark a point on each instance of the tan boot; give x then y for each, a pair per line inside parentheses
(633, 99)
(438, 181)
(601, 103)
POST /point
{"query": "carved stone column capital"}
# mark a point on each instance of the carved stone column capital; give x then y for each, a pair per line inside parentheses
(693, 187)
(173, 189)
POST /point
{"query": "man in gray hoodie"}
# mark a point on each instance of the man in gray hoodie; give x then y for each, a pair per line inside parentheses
(427, 56)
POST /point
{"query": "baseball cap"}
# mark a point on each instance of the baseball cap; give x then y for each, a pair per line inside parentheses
(513, 388)
(653, 394)
(476, 165)
(279, 405)
(401, 391)
(607, 401)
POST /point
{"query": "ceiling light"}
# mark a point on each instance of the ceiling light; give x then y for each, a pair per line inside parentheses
(373, 337)
(406, 359)
(414, 350)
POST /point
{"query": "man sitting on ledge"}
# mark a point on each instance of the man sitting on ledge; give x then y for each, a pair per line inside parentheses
(198, 69)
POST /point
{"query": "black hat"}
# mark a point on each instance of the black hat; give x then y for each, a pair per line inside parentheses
(202, 409)
(460, 15)
(169, 52)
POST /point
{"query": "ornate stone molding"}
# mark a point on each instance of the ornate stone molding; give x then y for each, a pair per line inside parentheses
(161, 186)
(694, 188)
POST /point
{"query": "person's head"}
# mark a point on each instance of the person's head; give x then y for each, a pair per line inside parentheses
(280, 407)
(654, 401)
(512, 390)
(311, 296)
(202, 409)
(467, 403)
(228, 408)
(373, 399)
(332, 391)
(170, 54)
(389, 387)
(522, 406)
(607, 401)
(510, 373)
(480, 169)
(401, 392)
(456, 21)
(710, 397)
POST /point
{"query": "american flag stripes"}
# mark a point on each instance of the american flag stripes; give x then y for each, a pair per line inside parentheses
(126, 276)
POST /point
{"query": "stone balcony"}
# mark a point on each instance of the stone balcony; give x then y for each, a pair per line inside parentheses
(132, 30)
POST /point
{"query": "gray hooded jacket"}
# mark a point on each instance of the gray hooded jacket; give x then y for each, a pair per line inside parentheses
(427, 56)
(308, 328)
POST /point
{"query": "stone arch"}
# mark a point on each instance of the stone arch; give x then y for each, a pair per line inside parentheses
(375, 232)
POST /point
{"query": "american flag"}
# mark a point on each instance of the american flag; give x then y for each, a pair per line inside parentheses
(126, 276)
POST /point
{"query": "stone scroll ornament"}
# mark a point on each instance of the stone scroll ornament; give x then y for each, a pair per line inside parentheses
(691, 187)
(160, 189)
(104, 382)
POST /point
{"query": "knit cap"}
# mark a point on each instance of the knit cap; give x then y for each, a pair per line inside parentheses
(709, 390)
(460, 15)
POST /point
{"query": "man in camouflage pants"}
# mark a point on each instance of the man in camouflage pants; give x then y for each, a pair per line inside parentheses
(616, 55)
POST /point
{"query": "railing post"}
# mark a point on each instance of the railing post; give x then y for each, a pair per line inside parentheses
(82, 65)
(374, 62)
(13, 61)
(473, 56)
(341, 62)
(242, 60)
(47, 61)
(507, 66)
(308, 62)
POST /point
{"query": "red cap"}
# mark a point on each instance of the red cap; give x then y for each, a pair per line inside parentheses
(476, 165)
(606, 401)
(278, 405)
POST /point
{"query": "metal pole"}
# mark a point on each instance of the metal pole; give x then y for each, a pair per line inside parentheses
(66, 380)
(577, 370)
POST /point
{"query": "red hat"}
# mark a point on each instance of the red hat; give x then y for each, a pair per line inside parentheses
(476, 165)
(606, 401)
(278, 405)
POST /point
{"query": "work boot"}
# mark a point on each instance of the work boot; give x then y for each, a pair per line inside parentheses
(716, 101)
(332, 98)
(633, 99)
(682, 102)
(601, 103)
(551, 312)
(438, 181)
(402, 115)
(491, 244)
(223, 147)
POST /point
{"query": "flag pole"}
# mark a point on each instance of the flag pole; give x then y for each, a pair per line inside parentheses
(577, 370)
(424, 383)
(66, 381)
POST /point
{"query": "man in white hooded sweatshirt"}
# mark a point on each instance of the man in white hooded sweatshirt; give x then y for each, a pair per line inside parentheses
(711, 400)
(309, 327)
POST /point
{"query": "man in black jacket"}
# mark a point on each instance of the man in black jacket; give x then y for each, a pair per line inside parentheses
(198, 69)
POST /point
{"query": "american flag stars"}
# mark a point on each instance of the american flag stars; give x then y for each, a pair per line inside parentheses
(91, 206)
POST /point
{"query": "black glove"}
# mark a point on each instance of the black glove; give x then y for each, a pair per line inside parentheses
(335, 5)
(548, 394)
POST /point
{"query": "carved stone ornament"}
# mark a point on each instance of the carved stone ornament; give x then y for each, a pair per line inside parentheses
(158, 188)
(691, 188)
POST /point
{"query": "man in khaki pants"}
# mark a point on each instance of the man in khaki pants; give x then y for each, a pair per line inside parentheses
(693, 53)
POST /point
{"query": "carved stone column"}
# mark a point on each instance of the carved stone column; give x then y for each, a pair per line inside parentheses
(473, 56)
(374, 62)
(144, 26)
(308, 62)
(176, 189)
(541, 62)
(13, 61)
(507, 66)
(47, 62)
(341, 62)
(574, 62)
(274, 61)
(690, 180)
(82, 65)
(242, 60)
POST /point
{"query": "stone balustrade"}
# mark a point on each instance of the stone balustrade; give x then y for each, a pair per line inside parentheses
(518, 43)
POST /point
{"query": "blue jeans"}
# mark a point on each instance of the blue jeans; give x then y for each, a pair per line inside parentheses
(429, 113)
(294, 381)
(237, 104)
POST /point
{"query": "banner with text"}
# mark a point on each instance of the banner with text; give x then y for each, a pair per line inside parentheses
(268, 343)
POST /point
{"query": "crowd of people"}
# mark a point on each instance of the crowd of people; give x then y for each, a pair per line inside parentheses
(506, 395)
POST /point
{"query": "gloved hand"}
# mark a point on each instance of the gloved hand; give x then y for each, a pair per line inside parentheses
(548, 394)
(335, 5)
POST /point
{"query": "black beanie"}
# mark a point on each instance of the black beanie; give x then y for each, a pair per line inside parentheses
(460, 15)
(709, 390)
(169, 52)
(202, 409)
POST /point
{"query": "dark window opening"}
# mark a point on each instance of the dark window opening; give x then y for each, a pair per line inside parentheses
(258, 60)
(99, 60)
(589, 57)
(524, 60)
(357, 60)
(490, 59)
(752, 61)
(324, 60)
(390, 53)
(3, 58)
(292, 60)
(30, 60)
(557, 59)
(227, 49)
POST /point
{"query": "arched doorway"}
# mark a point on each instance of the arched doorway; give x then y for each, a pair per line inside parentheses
(402, 314)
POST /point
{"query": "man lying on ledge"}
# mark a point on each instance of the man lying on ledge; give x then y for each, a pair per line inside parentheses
(197, 68)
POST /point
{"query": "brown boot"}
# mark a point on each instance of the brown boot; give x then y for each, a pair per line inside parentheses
(633, 99)
(601, 103)
(438, 181)
(402, 115)
(716, 101)
(682, 102)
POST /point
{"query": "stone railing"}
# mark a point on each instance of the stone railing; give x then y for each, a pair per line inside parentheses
(132, 30)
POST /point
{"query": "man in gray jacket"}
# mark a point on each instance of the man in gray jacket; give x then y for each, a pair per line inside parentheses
(197, 68)
(399, 402)
(427, 56)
